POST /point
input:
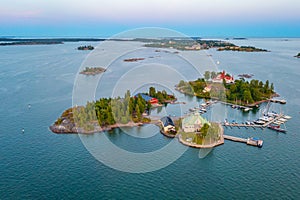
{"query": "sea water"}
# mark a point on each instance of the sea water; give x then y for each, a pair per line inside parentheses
(38, 164)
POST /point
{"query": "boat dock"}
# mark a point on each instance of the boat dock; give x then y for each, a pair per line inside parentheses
(280, 116)
(236, 106)
(249, 141)
(281, 101)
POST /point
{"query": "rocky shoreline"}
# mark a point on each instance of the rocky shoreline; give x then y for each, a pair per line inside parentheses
(71, 128)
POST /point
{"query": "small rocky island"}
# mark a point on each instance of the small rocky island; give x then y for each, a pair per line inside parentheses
(245, 75)
(298, 56)
(92, 70)
(85, 48)
(133, 59)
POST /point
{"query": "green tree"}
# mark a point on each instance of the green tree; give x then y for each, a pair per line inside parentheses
(138, 112)
(272, 87)
(213, 75)
(152, 92)
(206, 75)
(204, 129)
(160, 97)
(247, 96)
(181, 83)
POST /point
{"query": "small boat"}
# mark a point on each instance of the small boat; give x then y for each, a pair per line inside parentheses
(287, 117)
(282, 119)
(203, 110)
(192, 109)
(282, 101)
(246, 109)
(259, 122)
(276, 128)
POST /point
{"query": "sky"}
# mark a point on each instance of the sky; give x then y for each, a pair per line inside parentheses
(104, 18)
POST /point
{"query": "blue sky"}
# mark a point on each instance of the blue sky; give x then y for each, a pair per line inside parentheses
(210, 18)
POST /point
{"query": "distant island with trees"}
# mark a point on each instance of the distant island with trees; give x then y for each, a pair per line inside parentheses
(239, 92)
(43, 41)
(92, 70)
(241, 48)
(107, 113)
(183, 44)
(198, 44)
(84, 48)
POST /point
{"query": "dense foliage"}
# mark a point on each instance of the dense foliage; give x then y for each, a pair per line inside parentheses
(109, 111)
(182, 44)
(162, 96)
(241, 48)
(240, 92)
(249, 92)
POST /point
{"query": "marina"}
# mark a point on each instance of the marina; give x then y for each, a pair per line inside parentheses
(271, 120)
(260, 123)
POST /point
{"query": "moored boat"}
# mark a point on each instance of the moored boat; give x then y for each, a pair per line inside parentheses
(276, 128)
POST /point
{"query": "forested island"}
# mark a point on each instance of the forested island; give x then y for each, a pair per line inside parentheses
(187, 44)
(92, 70)
(43, 41)
(108, 113)
(84, 48)
(199, 44)
(30, 43)
(241, 48)
(241, 92)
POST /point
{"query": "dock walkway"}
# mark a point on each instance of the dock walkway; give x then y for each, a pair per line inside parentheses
(249, 141)
(254, 125)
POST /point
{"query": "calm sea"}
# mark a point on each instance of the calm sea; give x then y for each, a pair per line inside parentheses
(38, 164)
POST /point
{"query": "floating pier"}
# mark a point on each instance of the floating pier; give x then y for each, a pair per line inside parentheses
(245, 108)
(280, 116)
(248, 141)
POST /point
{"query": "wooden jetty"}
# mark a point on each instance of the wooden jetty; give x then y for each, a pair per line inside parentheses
(236, 105)
(248, 141)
